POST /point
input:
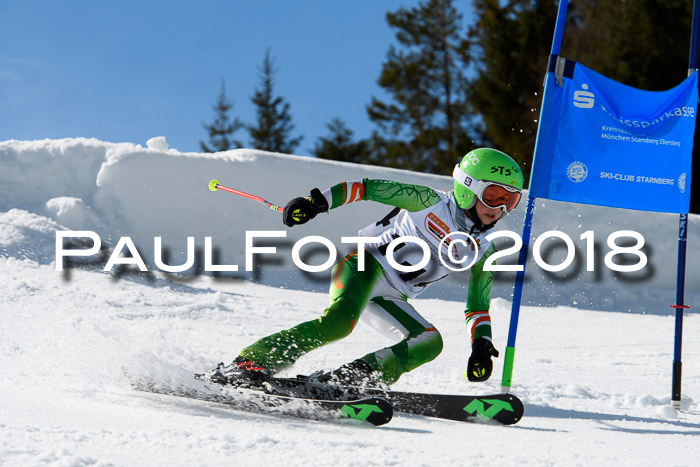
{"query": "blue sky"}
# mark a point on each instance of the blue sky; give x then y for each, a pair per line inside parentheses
(130, 70)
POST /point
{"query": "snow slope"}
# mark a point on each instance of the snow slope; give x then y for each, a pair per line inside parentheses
(595, 383)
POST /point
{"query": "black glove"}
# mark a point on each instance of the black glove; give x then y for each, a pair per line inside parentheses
(302, 210)
(479, 366)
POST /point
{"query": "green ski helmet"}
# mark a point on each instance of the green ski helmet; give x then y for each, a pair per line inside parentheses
(489, 175)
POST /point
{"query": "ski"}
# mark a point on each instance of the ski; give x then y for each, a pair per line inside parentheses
(371, 409)
(504, 409)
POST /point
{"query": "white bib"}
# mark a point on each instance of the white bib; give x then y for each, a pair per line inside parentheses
(431, 225)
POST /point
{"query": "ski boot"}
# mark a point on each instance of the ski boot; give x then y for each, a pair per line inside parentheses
(241, 373)
(357, 373)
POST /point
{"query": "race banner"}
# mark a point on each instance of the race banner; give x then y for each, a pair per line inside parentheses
(604, 143)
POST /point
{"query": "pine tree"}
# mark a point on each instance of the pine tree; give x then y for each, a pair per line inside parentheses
(511, 44)
(642, 43)
(221, 130)
(273, 128)
(428, 124)
(340, 144)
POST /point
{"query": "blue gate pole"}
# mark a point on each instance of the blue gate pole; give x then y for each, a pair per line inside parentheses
(682, 242)
(680, 285)
(527, 224)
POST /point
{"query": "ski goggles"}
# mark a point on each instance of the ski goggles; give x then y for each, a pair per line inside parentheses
(494, 195)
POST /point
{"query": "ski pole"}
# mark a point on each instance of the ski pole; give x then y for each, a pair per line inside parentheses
(214, 185)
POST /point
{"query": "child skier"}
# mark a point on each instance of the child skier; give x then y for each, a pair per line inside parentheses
(487, 185)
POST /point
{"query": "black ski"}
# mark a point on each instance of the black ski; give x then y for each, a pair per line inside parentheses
(504, 409)
(371, 409)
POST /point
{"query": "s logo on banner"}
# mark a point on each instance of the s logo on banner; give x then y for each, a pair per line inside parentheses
(584, 99)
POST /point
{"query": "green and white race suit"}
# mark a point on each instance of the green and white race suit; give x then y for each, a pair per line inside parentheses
(381, 291)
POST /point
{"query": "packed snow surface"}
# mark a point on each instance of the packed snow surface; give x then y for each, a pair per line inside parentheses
(593, 354)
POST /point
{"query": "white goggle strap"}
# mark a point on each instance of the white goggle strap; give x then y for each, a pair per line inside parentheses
(462, 177)
(477, 186)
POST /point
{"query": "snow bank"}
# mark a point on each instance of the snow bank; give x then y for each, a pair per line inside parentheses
(124, 189)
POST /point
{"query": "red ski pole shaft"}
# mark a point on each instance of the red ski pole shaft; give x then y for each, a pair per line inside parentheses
(214, 185)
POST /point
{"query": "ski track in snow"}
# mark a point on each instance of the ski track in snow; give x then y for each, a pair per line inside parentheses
(595, 384)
